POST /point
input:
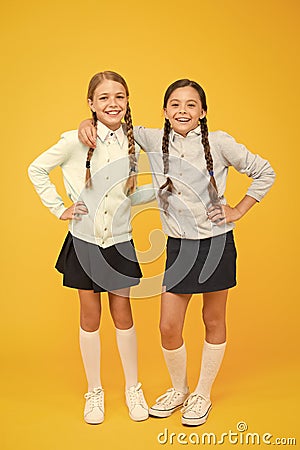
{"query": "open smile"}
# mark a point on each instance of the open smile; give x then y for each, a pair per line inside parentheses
(112, 113)
(183, 119)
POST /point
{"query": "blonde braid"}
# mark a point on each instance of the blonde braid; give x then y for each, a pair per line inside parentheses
(132, 179)
(88, 179)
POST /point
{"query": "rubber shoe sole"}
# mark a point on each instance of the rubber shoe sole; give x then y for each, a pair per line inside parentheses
(196, 421)
(163, 413)
(93, 421)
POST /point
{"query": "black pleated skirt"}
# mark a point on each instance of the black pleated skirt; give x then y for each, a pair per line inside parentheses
(198, 266)
(89, 267)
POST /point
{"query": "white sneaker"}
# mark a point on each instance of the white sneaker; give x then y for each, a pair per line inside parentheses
(94, 406)
(195, 410)
(137, 405)
(167, 403)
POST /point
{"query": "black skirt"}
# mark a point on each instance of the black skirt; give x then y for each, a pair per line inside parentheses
(89, 267)
(198, 266)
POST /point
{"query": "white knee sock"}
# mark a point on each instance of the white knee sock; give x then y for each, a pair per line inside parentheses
(127, 345)
(212, 356)
(90, 352)
(176, 363)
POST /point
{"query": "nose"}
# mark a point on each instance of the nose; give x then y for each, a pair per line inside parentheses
(113, 102)
(182, 110)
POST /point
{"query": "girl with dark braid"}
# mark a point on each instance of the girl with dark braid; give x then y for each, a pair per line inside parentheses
(190, 168)
(98, 254)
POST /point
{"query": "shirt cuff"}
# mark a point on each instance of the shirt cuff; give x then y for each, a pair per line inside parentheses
(58, 211)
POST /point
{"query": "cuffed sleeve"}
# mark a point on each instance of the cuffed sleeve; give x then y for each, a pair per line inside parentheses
(254, 166)
(40, 168)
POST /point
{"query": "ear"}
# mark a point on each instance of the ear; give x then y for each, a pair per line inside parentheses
(166, 113)
(203, 114)
(91, 104)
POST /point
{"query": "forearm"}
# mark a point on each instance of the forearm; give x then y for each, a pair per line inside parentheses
(87, 133)
(221, 214)
(245, 204)
(143, 194)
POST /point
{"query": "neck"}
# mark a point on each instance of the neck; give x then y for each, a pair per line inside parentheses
(112, 127)
(184, 134)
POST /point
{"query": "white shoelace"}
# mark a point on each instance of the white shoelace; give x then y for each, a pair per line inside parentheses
(193, 402)
(136, 395)
(168, 397)
(96, 397)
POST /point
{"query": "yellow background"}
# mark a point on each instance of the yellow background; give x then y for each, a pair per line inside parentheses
(245, 54)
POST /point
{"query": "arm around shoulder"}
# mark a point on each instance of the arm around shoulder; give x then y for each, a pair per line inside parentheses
(143, 194)
(148, 138)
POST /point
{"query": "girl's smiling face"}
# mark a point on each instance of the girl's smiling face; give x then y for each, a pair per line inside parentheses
(109, 103)
(184, 109)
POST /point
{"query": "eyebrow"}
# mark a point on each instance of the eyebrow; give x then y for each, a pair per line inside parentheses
(107, 93)
(177, 100)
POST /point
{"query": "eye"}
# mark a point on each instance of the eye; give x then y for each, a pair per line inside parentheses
(102, 98)
(191, 105)
(120, 96)
(174, 104)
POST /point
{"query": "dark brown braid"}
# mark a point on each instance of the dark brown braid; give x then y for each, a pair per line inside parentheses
(167, 188)
(131, 181)
(212, 187)
(88, 180)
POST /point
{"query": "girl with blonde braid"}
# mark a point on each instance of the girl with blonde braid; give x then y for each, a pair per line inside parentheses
(98, 254)
(190, 168)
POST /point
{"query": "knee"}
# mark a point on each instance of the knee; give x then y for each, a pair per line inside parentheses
(89, 322)
(213, 322)
(123, 323)
(169, 330)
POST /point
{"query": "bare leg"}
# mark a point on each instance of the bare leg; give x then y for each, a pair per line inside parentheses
(120, 309)
(90, 310)
(173, 310)
(214, 316)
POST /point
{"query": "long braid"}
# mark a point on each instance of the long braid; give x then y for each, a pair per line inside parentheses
(131, 181)
(168, 186)
(212, 187)
(88, 180)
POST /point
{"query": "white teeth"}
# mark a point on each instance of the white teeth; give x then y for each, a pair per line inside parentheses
(112, 113)
(183, 120)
